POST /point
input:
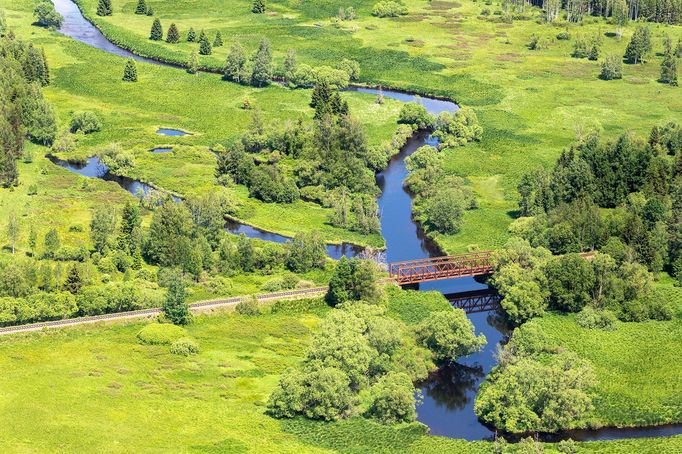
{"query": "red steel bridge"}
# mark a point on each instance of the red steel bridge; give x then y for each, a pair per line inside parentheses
(439, 268)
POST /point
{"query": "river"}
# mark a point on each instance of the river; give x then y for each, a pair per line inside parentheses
(449, 394)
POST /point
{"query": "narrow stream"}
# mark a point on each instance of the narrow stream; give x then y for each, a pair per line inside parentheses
(449, 394)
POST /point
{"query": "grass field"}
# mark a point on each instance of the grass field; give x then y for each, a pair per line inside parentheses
(95, 388)
(530, 102)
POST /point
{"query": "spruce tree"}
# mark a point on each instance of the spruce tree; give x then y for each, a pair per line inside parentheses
(340, 284)
(669, 66)
(322, 94)
(141, 7)
(218, 41)
(150, 11)
(258, 6)
(130, 71)
(157, 31)
(262, 65)
(175, 307)
(191, 35)
(173, 35)
(640, 45)
(204, 45)
(611, 68)
(290, 65)
(73, 282)
(104, 8)
(193, 63)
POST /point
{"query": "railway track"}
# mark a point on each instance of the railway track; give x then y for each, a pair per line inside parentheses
(142, 313)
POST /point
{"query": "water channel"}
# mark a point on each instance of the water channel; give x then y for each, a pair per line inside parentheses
(449, 394)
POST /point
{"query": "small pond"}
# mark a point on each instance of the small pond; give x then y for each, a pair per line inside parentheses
(171, 132)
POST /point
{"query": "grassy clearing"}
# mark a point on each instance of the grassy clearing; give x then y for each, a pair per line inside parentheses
(84, 78)
(61, 387)
(529, 102)
(636, 367)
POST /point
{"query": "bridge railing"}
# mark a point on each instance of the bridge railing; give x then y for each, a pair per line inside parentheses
(446, 267)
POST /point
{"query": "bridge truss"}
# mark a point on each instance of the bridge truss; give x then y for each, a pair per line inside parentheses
(438, 268)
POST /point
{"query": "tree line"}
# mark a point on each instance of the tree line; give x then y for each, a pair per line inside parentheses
(25, 113)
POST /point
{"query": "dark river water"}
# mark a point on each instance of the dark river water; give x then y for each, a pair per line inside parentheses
(449, 393)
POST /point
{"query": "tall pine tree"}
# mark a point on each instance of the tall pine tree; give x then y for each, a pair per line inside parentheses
(191, 35)
(258, 6)
(157, 31)
(173, 35)
(104, 8)
(262, 65)
(175, 306)
(141, 7)
(130, 71)
(218, 41)
(669, 65)
(204, 44)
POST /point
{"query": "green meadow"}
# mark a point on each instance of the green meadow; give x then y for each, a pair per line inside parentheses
(96, 388)
(531, 103)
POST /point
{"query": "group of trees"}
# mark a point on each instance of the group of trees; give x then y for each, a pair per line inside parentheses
(639, 182)
(185, 240)
(440, 200)
(304, 76)
(335, 166)
(256, 71)
(536, 387)
(361, 350)
(24, 111)
(620, 11)
(531, 281)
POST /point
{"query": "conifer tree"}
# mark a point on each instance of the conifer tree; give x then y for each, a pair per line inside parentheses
(191, 35)
(104, 8)
(193, 63)
(218, 41)
(669, 64)
(173, 36)
(262, 65)
(150, 11)
(141, 7)
(175, 307)
(204, 45)
(640, 45)
(157, 31)
(322, 94)
(130, 71)
(258, 6)
(74, 281)
(611, 68)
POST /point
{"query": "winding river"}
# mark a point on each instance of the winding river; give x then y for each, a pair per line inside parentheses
(448, 395)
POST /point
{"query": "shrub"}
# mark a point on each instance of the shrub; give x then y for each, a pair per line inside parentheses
(538, 42)
(249, 307)
(85, 122)
(184, 346)
(389, 8)
(160, 334)
(590, 318)
(564, 35)
(611, 68)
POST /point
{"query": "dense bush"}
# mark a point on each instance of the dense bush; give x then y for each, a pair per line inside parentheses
(389, 8)
(85, 122)
(249, 307)
(47, 16)
(161, 334)
(596, 319)
(415, 114)
(184, 346)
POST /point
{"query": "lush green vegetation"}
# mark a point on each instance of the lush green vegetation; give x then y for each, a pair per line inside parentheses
(529, 102)
(88, 371)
